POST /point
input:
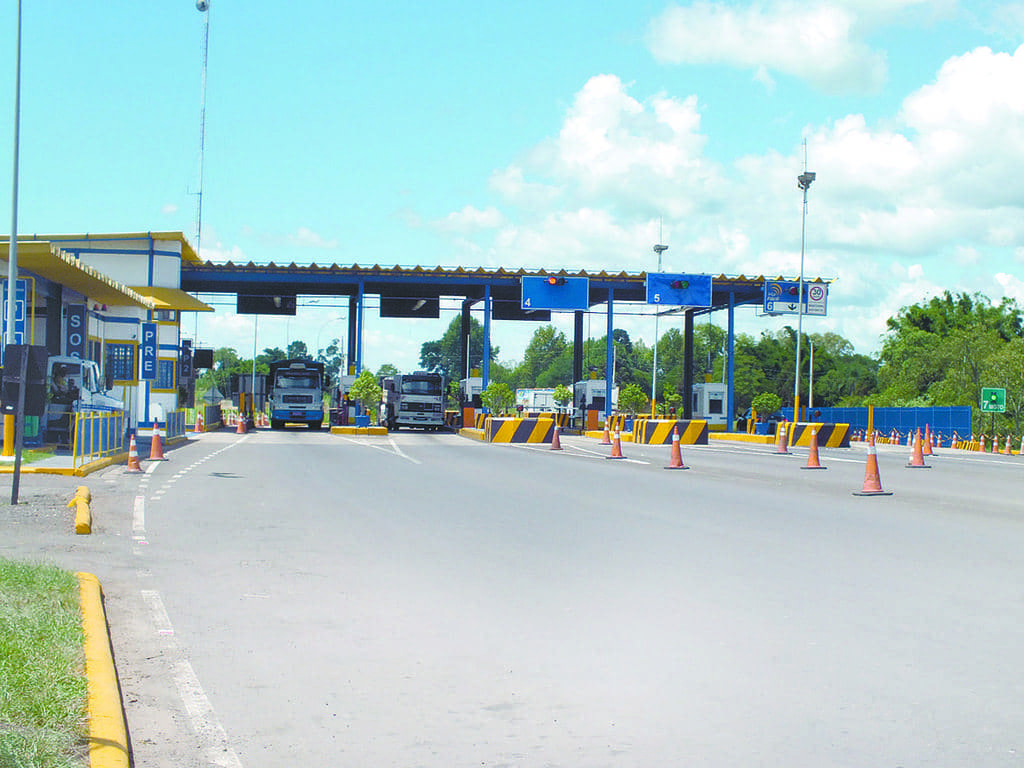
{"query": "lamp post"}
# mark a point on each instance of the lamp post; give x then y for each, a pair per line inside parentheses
(803, 182)
(12, 254)
(332, 320)
(658, 249)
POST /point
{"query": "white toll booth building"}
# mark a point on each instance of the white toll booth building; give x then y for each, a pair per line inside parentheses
(111, 298)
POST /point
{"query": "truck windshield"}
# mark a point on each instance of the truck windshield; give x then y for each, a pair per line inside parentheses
(297, 381)
(421, 387)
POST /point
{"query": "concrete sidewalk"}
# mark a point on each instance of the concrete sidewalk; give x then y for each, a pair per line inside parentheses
(63, 462)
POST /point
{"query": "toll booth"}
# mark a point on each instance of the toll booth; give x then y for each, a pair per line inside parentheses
(343, 409)
(708, 403)
(470, 391)
(589, 402)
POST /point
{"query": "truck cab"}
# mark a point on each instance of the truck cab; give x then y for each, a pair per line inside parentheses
(74, 386)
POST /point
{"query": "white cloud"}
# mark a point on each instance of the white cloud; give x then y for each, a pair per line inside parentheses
(471, 219)
(820, 42)
(927, 200)
(304, 237)
(169, 209)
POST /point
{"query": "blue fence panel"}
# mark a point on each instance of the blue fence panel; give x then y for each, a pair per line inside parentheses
(943, 421)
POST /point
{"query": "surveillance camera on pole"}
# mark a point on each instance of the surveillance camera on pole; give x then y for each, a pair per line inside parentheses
(803, 181)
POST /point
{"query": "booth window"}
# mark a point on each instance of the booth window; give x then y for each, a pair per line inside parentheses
(715, 405)
(121, 361)
(165, 315)
(164, 375)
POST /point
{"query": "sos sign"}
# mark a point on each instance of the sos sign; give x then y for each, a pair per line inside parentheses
(75, 331)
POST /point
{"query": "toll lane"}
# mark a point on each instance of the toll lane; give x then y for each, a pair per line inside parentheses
(430, 600)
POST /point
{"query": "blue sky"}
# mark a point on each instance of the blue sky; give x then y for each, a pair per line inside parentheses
(538, 135)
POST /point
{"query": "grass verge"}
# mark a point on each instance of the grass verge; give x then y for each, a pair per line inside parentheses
(43, 690)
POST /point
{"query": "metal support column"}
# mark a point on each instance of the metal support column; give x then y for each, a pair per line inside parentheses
(730, 401)
(688, 365)
(609, 357)
(465, 329)
(577, 347)
(359, 328)
(350, 348)
(486, 365)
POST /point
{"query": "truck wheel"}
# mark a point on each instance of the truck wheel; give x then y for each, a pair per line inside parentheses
(315, 425)
(276, 424)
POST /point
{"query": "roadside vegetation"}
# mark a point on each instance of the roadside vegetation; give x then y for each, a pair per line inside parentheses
(43, 689)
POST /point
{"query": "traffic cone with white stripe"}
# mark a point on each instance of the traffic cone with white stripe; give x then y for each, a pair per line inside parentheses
(616, 446)
(133, 456)
(917, 457)
(1007, 451)
(981, 442)
(606, 438)
(199, 422)
(241, 428)
(812, 455)
(556, 444)
(781, 446)
(872, 482)
(926, 448)
(676, 460)
(156, 448)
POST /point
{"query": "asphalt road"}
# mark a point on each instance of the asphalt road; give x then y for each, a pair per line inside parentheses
(299, 598)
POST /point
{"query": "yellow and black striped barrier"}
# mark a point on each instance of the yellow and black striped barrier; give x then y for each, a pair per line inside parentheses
(659, 431)
(829, 435)
(519, 430)
(561, 419)
(480, 420)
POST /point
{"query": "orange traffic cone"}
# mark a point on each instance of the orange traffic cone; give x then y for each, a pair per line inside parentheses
(1007, 451)
(606, 438)
(156, 448)
(917, 457)
(1021, 451)
(812, 454)
(872, 482)
(926, 449)
(981, 443)
(199, 422)
(780, 441)
(241, 430)
(676, 460)
(133, 456)
(556, 444)
(616, 447)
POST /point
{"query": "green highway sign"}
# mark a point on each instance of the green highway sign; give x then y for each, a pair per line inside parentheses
(993, 400)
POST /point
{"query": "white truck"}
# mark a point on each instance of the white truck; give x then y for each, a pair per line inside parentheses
(296, 392)
(413, 400)
(74, 386)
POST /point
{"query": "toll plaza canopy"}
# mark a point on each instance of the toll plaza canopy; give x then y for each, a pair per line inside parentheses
(416, 292)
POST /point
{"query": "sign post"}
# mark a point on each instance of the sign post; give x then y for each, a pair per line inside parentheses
(993, 400)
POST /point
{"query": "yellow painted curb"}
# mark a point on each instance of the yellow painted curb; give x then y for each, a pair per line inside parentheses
(108, 734)
(739, 437)
(83, 515)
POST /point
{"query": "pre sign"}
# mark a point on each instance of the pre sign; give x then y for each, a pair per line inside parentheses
(147, 352)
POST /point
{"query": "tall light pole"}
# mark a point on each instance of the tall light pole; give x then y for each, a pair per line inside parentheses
(658, 249)
(803, 182)
(12, 254)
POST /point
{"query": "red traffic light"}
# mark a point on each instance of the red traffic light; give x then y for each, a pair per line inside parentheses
(556, 280)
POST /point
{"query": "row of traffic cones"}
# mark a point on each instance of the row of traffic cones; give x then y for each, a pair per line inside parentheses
(156, 450)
